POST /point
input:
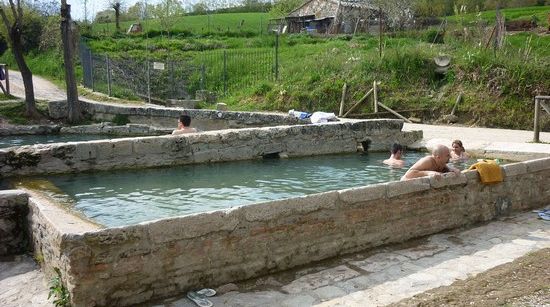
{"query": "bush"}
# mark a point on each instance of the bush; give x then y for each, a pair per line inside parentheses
(435, 37)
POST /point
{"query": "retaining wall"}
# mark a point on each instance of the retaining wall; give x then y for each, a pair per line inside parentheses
(211, 146)
(129, 265)
(204, 120)
(13, 221)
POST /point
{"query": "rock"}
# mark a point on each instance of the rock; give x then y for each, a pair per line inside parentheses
(451, 119)
(415, 120)
(220, 106)
(227, 288)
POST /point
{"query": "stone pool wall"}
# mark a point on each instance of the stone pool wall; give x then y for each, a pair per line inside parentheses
(211, 146)
(128, 265)
(204, 120)
(13, 221)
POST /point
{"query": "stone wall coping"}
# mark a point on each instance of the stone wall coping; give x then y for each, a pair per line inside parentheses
(13, 194)
(537, 164)
(63, 220)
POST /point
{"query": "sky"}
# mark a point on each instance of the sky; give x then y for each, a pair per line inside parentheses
(94, 6)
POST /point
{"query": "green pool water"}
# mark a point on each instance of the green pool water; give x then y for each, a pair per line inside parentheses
(19, 140)
(132, 196)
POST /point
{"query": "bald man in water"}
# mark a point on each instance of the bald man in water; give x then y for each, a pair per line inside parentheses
(433, 165)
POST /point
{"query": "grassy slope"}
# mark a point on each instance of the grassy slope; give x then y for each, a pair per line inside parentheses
(253, 22)
(520, 13)
(498, 88)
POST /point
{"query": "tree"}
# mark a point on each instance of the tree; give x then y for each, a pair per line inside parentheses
(399, 13)
(281, 8)
(74, 111)
(117, 6)
(14, 28)
(105, 16)
(140, 10)
(429, 8)
(166, 11)
(200, 8)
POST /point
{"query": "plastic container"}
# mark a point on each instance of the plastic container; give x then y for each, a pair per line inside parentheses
(299, 114)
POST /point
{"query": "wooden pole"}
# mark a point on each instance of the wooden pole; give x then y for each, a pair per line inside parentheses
(344, 89)
(458, 99)
(395, 113)
(375, 95)
(380, 32)
(7, 78)
(358, 102)
(536, 127)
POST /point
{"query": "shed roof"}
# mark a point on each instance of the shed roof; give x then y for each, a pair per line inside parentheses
(364, 4)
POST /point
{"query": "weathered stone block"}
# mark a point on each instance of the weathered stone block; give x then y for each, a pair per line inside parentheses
(398, 188)
(285, 207)
(58, 109)
(363, 194)
(514, 169)
(447, 180)
(13, 222)
(537, 165)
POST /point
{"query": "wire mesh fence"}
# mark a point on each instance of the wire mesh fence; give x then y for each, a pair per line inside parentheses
(219, 71)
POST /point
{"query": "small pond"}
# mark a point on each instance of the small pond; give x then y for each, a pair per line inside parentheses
(133, 196)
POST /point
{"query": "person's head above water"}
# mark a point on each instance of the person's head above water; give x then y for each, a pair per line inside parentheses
(184, 120)
(457, 146)
(441, 154)
(396, 147)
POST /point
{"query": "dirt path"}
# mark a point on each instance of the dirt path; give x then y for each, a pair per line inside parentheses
(523, 282)
(43, 89)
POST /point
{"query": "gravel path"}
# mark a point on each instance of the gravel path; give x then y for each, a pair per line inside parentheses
(43, 89)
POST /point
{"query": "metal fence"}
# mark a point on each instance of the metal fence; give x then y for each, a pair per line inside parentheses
(219, 71)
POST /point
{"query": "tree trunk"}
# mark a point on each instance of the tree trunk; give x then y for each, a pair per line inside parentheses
(74, 110)
(117, 16)
(26, 74)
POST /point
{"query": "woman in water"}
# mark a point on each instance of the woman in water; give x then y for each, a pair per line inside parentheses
(458, 153)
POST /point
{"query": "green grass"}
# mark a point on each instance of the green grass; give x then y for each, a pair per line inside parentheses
(254, 23)
(498, 86)
(15, 111)
(519, 13)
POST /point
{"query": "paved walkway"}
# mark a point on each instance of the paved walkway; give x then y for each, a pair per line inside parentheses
(482, 139)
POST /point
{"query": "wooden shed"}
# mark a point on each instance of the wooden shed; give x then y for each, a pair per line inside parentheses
(334, 16)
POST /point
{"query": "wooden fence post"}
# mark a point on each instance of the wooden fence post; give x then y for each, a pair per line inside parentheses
(344, 88)
(536, 127)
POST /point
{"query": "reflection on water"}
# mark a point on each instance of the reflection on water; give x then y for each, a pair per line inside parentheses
(133, 196)
(19, 140)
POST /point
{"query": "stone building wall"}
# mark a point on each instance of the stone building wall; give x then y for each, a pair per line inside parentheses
(128, 265)
(212, 146)
(319, 8)
(13, 221)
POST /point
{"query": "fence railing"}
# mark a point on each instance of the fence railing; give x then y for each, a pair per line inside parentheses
(219, 71)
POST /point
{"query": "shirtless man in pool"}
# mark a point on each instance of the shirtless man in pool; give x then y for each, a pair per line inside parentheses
(433, 165)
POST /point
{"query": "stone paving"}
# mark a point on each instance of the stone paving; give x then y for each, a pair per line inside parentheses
(390, 274)
(22, 283)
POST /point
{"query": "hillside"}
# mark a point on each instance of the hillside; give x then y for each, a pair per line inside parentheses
(497, 86)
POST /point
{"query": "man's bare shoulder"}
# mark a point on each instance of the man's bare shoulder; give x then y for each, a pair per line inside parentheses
(423, 164)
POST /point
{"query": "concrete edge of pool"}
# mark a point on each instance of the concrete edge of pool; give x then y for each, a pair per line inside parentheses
(210, 146)
(134, 264)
